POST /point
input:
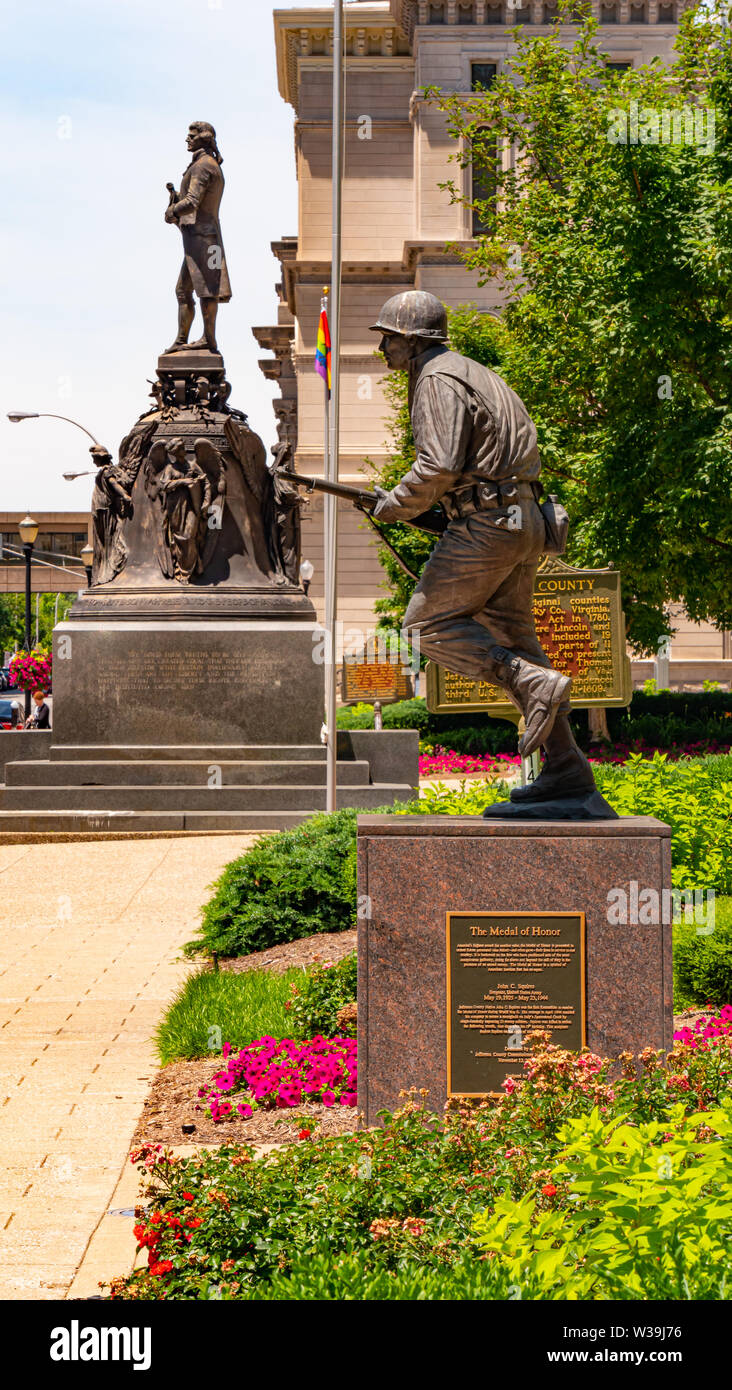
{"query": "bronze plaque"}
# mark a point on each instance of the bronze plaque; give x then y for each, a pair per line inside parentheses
(509, 973)
(581, 626)
(378, 672)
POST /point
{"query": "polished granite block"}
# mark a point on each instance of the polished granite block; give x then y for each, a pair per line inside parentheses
(414, 869)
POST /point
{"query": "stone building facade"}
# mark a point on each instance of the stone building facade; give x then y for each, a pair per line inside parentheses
(396, 224)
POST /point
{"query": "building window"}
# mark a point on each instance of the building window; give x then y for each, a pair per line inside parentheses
(465, 13)
(48, 545)
(437, 14)
(482, 75)
(665, 14)
(608, 14)
(617, 67)
(483, 181)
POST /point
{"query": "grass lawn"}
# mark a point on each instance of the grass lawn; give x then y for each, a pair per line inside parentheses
(215, 1007)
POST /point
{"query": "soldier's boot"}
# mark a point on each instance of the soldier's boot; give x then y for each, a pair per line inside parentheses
(538, 691)
(566, 771)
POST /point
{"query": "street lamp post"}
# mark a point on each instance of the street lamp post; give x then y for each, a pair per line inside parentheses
(15, 416)
(306, 573)
(87, 560)
(28, 530)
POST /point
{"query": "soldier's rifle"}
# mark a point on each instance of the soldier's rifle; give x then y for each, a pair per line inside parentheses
(433, 522)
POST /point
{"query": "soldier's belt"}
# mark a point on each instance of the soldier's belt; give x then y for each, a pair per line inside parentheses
(485, 497)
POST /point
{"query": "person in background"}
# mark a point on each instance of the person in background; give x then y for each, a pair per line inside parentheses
(41, 716)
(16, 718)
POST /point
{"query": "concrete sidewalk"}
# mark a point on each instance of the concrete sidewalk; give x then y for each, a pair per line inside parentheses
(90, 936)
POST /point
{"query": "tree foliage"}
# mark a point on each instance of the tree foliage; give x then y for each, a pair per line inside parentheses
(616, 259)
(12, 618)
(477, 335)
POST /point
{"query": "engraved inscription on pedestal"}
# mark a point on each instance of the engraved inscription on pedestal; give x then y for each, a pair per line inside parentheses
(507, 975)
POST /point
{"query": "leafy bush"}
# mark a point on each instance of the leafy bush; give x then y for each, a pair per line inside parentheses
(651, 1214)
(689, 799)
(352, 1277)
(289, 885)
(465, 733)
(658, 721)
(322, 1000)
(216, 1007)
(299, 882)
(404, 1203)
(703, 963)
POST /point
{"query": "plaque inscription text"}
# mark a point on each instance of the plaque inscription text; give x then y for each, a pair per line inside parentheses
(507, 975)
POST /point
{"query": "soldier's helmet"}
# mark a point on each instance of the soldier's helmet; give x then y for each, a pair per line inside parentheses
(413, 313)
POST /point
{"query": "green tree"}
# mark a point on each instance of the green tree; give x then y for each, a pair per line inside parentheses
(614, 241)
(12, 618)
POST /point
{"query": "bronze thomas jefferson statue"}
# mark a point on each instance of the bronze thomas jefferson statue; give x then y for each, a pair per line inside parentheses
(195, 209)
(477, 456)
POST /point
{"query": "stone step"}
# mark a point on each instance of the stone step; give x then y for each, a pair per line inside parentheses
(185, 799)
(19, 824)
(177, 772)
(188, 752)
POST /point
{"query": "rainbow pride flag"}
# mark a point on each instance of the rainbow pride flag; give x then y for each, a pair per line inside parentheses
(322, 350)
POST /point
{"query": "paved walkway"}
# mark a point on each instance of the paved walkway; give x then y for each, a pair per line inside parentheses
(90, 937)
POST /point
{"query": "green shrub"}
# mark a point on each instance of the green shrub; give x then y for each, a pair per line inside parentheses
(289, 885)
(351, 1277)
(317, 998)
(667, 719)
(703, 963)
(692, 801)
(400, 1207)
(217, 1007)
(303, 881)
(690, 795)
(652, 1214)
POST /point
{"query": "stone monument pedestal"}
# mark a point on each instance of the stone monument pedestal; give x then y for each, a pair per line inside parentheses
(147, 682)
(415, 870)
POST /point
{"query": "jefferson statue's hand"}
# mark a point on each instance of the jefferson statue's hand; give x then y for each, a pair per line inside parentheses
(170, 214)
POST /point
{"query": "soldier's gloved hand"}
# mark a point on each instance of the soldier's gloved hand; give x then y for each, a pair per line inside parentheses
(383, 501)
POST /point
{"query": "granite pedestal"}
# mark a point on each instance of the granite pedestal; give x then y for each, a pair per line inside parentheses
(186, 682)
(413, 870)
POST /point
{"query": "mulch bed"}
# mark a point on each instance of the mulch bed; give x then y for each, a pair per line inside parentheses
(173, 1099)
(325, 948)
(174, 1095)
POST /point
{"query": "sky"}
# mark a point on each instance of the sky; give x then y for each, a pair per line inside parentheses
(96, 97)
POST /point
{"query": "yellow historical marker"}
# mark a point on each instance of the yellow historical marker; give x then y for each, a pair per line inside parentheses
(581, 626)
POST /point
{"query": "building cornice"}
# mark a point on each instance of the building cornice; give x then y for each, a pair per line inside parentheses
(439, 14)
(276, 337)
(370, 33)
(375, 33)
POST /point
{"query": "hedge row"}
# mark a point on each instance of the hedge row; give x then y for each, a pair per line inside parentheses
(666, 720)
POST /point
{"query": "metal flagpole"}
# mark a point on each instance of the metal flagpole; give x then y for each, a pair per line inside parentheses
(326, 447)
(331, 503)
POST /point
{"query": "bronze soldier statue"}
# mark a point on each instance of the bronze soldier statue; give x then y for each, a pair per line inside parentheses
(477, 456)
(195, 209)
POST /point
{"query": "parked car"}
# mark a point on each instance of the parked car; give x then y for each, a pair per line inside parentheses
(6, 714)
